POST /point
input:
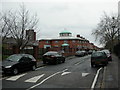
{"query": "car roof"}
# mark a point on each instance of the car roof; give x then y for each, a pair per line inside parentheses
(52, 51)
(98, 51)
(22, 54)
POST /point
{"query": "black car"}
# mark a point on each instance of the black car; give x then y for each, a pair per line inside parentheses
(53, 57)
(98, 58)
(18, 62)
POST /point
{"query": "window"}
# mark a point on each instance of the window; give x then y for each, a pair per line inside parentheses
(47, 42)
(56, 41)
(65, 41)
(73, 40)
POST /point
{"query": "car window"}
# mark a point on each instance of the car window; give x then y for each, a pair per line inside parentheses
(97, 54)
(30, 56)
(51, 53)
(25, 59)
(14, 57)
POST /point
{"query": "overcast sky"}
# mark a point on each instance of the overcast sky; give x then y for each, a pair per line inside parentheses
(76, 16)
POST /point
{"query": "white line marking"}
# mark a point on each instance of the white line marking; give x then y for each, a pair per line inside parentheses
(39, 68)
(79, 62)
(45, 79)
(64, 70)
(65, 73)
(34, 79)
(3, 78)
(84, 74)
(14, 78)
(95, 79)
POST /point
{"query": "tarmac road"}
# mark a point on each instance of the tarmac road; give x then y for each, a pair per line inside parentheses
(74, 73)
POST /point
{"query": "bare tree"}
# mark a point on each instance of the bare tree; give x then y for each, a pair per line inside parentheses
(5, 24)
(16, 25)
(106, 31)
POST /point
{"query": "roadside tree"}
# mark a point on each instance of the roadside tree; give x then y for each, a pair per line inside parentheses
(15, 24)
(107, 31)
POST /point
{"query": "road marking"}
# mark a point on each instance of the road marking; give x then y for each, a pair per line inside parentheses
(64, 70)
(95, 79)
(34, 79)
(65, 73)
(14, 78)
(84, 74)
(3, 78)
(46, 79)
(39, 68)
(79, 62)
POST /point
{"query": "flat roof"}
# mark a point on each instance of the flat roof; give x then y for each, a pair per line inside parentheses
(63, 38)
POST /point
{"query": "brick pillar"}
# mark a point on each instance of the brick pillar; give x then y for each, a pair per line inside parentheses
(35, 50)
(16, 50)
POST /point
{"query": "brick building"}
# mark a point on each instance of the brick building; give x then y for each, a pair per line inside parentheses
(31, 47)
(67, 43)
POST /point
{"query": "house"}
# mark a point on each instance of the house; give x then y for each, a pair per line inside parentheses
(66, 42)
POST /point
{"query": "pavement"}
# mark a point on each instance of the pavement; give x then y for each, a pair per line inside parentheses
(111, 75)
(40, 63)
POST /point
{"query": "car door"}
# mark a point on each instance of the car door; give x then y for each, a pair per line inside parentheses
(60, 56)
(25, 62)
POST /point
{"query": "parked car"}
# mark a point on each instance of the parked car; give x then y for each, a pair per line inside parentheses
(90, 52)
(80, 53)
(108, 54)
(53, 57)
(18, 62)
(98, 58)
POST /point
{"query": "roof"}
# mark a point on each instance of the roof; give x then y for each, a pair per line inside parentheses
(64, 32)
(62, 38)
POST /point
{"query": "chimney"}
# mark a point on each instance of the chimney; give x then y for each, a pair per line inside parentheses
(78, 35)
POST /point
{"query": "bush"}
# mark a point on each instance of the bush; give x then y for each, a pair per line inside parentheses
(4, 56)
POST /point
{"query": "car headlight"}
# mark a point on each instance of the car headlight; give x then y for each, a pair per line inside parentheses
(7, 66)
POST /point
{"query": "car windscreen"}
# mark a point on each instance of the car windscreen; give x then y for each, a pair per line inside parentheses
(14, 57)
(51, 53)
(79, 51)
(98, 54)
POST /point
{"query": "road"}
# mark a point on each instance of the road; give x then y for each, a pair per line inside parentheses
(74, 73)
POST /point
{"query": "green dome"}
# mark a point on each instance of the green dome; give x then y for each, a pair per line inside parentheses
(65, 44)
(64, 32)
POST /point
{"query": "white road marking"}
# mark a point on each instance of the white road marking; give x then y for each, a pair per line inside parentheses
(14, 78)
(79, 62)
(46, 79)
(84, 74)
(39, 68)
(95, 79)
(64, 70)
(65, 73)
(3, 78)
(34, 79)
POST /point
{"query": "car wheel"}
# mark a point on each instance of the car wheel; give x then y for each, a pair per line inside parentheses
(33, 67)
(92, 65)
(56, 62)
(106, 64)
(44, 62)
(63, 61)
(15, 71)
